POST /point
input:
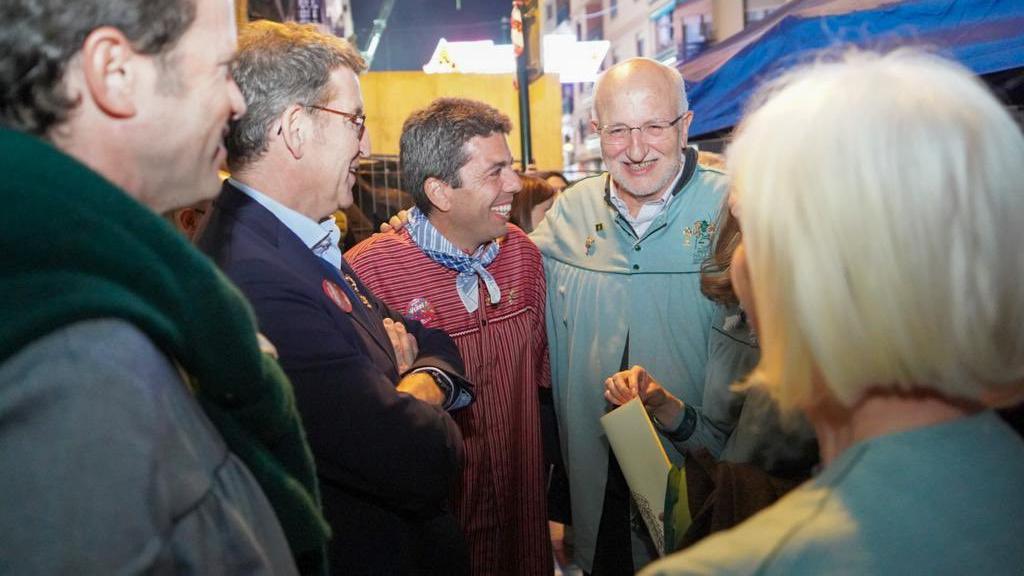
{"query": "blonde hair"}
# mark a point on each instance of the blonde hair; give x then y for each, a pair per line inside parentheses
(883, 216)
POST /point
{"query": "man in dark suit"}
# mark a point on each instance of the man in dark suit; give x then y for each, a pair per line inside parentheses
(372, 388)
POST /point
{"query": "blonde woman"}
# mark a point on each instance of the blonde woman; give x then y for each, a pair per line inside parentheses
(883, 222)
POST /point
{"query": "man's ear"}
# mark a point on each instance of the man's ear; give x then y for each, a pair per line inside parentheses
(111, 70)
(684, 127)
(295, 129)
(187, 220)
(439, 193)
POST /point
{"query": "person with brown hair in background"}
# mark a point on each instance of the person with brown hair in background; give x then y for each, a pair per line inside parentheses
(532, 202)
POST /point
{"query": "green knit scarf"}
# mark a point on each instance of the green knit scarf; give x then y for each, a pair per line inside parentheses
(74, 247)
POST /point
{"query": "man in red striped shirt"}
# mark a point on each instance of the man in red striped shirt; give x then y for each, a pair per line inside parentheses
(459, 265)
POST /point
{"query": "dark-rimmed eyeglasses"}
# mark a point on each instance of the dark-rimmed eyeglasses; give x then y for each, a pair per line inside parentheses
(620, 133)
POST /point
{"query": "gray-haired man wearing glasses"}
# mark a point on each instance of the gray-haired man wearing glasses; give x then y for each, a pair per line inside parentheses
(627, 247)
(372, 388)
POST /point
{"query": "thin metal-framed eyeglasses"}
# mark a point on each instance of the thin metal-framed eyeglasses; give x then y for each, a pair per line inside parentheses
(357, 120)
(619, 133)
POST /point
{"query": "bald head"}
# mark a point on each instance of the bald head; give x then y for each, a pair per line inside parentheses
(640, 111)
(639, 77)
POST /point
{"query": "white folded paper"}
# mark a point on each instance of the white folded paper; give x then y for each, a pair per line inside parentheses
(643, 461)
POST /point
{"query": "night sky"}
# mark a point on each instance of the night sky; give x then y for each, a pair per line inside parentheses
(416, 25)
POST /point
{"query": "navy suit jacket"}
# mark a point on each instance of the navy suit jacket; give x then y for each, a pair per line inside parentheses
(385, 460)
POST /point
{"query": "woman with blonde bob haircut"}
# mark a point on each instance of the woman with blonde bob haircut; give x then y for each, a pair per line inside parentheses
(882, 206)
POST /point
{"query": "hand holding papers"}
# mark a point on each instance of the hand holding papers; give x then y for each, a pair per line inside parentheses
(643, 461)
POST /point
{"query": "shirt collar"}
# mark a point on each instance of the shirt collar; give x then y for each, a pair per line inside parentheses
(320, 237)
(661, 202)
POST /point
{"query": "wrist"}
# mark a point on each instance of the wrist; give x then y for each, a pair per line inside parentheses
(679, 426)
(441, 381)
(669, 411)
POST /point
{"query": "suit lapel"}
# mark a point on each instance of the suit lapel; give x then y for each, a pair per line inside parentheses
(371, 320)
(305, 263)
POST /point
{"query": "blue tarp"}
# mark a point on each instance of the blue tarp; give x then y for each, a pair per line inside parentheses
(985, 35)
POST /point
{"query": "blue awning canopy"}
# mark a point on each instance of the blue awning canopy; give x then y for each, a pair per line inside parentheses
(985, 35)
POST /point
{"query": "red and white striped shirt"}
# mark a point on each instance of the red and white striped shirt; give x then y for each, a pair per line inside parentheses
(500, 501)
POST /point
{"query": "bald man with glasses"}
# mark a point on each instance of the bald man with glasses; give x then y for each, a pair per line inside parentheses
(373, 389)
(626, 247)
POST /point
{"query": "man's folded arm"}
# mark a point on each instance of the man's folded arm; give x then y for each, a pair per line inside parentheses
(366, 436)
(438, 353)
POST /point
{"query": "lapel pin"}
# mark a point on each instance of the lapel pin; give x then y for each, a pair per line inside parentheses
(337, 295)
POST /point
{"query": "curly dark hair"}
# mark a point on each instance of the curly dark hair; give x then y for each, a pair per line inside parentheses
(433, 140)
(39, 37)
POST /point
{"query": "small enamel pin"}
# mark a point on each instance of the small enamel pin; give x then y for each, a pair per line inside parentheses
(588, 246)
(355, 290)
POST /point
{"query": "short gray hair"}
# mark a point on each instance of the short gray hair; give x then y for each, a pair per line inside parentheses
(433, 142)
(279, 65)
(39, 38)
(883, 219)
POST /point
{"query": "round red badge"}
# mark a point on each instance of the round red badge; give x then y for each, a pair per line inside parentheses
(337, 295)
(421, 310)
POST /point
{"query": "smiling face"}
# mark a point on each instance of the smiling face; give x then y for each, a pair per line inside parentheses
(478, 211)
(635, 94)
(190, 99)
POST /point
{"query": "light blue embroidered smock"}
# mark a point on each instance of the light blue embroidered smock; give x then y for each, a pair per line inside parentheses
(604, 283)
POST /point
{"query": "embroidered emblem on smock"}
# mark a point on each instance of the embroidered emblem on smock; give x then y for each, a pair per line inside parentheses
(698, 237)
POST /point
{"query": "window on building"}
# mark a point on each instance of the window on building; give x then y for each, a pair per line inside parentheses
(595, 20)
(549, 12)
(613, 7)
(663, 41)
(639, 44)
(696, 34)
(562, 11)
(757, 10)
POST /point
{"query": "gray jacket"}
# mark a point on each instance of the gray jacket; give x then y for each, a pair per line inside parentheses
(108, 465)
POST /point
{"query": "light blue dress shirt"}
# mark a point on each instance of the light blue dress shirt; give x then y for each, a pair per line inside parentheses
(322, 238)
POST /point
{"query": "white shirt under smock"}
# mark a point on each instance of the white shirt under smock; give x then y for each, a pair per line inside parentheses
(648, 211)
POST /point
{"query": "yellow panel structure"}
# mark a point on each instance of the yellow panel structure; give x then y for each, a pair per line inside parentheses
(391, 96)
